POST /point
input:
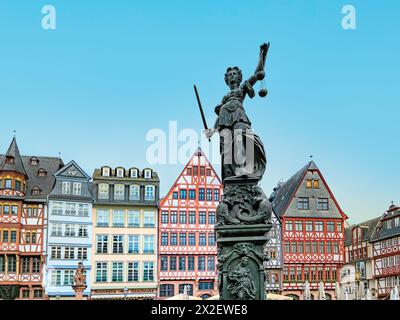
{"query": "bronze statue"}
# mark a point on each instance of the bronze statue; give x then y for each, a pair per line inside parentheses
(241, 283)
(242, 151)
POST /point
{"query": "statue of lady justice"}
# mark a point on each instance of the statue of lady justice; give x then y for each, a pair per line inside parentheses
(242, 152)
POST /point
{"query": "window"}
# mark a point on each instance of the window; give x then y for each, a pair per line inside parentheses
(314, 247)
(211, 239)
(287, 247)
(188, 287)
(147, 174)
(17, 185)
(167, 290)
(102, 244)
(201, 194)
(195, 171)
(316, 184)
(164, 217)
(300, 247)
(175, 195)
(133, 244)
(309, 226)
(33, 161)
(173, 239)
(211, 218)
(105, 172)
(294, 246)
(172, 263)
(173, 217)
(210, 263)
(133, 219)
(69, 230)
(192, 217)
(182, 194)
(209, 194)
(206, 285)
(120, 173)
(298, 225)
(191, 263)
(164, 238)
(192, 239)
(192, 194)
(82, 254)
(201, 263)
(182, 239)
(164, 263)
(14, 210)
(321, 248)
(119, 192)
(82, 231)
(8, 183)
(103, 218)
(182, 217)
(216, 195)
(202, 239)
(182, 263)
(335, 247)
(319, 226)
(70, 209)
(118, 218)
(55, 253)
(303, 203)
(309, 184)
(25, 265)
(134, 192)
(330, 226)
(202, 217)
(77, 188)
(5, 235)
(56, 278)
(83, 210)
(6, 210)
(101, 271)
(149, 195)
(69, 253)
(339, 226)
(389, 224)
(189, 171)
(328, 247)
(133, 271)
(117, 272)
(149, 219)
(148, 244)
(308, 247)
(65, 188)
(202, 171)
(56, 210)
(27, 237)
(208, 172)
(2, 263)
(322, 204)
(56, 230)
(103, 191)
(288, 226)
(118, 244)
(134, 173)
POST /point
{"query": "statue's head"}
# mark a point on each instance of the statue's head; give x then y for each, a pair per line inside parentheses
(233, 75)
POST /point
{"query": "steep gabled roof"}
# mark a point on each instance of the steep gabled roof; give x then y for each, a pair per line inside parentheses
(13, 153)
(369, 225)
(381, 230)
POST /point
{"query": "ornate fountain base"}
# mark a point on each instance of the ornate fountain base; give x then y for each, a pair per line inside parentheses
(79, 291)
(243, 221)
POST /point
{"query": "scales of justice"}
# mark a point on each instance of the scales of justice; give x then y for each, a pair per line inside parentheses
(243, 215)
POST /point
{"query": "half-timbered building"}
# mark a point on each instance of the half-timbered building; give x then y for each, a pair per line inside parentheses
(385, 242)
(69, 235)
(25, 182)
(312, 232)
(187, 246)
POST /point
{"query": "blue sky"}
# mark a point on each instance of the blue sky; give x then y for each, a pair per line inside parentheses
(111, 71)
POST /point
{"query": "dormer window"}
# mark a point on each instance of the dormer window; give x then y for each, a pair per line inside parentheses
(10, 160)
(35, 191)
(134, 173)
(34, 161)
(147, 174)
(120, 173)
(42, 172)
(105, 172)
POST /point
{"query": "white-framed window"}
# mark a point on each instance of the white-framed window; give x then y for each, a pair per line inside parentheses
(57, 208)
(148, 219)
(120, 173)
(66, 187)
(69, 277)
(118, 244)
(105, 172)
(82, 254)
(101, 271)
(103, 192)
(389, 224)
(148, 271)
(133, 271)
(134, 173)
(103, 217)
(397, 222)
(117, 272)
(102, 243)
(133, 244)
(55, 253)
(56, 278)
(69, 230)
(83, 210)
(119, 192)
(147, 174)
(149, 192)
(83, 231)
(148, 244)
(118, 218)
(69, 253)
(70, 209)
(77, 188)
(56, 230)
(133, 219)
(134, 192)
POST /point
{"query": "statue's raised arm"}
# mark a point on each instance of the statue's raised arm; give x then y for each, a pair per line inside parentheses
(259, 73)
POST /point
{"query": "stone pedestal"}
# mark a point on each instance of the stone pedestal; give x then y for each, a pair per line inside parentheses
(79, 291)
(243, 219)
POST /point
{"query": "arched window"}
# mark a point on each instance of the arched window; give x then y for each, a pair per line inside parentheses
(120, 172)
(147, 174)
(105, 171)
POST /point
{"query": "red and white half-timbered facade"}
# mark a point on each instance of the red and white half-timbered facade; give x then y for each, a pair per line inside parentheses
(312, 232)
(24, 185)
(186, 237)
